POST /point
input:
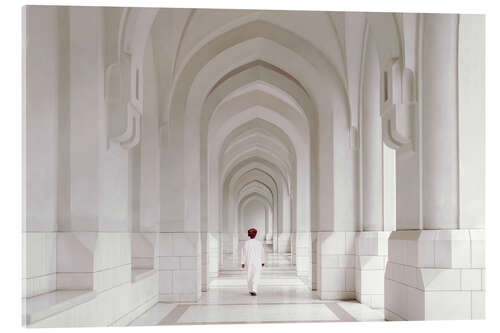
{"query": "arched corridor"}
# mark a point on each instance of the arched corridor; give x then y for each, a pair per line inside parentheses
(165, 134)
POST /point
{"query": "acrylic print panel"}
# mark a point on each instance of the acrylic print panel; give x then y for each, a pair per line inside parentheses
(155, 138)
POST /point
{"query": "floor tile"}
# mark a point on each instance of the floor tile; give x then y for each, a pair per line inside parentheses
(154, 315)
(282, 297)
(256, 313)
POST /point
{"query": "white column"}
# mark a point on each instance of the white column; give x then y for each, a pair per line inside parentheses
(371, 242)
(78, 236)
(389, 174)
(371, 133)
(180, 224)
(447, 256)
(440, 122)
(85, 97)
(42, 118)
(284, 230)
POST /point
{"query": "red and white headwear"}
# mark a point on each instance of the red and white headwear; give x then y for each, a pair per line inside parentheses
(252, 232)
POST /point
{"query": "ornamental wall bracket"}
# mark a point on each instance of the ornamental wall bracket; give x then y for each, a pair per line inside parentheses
(117, 84)
(132, 135)
(398, 109)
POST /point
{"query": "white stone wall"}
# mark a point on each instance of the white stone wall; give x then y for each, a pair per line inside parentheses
(39, 263)
(143, 250)
(117, 306)
(103, 269)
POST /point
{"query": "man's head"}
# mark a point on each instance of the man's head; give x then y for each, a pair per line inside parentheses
(252, 233)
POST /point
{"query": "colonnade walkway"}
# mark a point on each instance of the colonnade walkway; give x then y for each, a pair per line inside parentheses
(282, 297)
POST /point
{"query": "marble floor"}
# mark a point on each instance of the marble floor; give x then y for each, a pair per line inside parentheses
(282, 297)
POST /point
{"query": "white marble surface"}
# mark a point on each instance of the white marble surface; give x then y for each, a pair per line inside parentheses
(140, 273)
(42, 306)
(282, 297)
(254, 313)
(154, 314)
(362, 312)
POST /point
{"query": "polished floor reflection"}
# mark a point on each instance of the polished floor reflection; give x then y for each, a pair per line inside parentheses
(282, 297)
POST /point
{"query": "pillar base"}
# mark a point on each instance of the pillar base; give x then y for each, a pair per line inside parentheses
(314, 258)
(435, 275)
(371, 258)
(283, 242)
(335, 265)
(210, 257)
(303, 257)
(180, 266)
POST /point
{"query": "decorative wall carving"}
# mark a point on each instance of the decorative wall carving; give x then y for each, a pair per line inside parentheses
(398, 106)
(132, 135)
(123, 86)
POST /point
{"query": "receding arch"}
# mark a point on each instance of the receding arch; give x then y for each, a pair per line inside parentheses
(268, 223)
(256, 187)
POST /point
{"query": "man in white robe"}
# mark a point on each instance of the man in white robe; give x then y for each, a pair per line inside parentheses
(252, 257)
